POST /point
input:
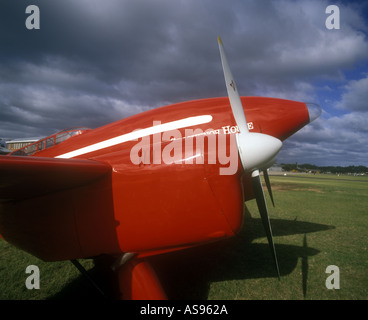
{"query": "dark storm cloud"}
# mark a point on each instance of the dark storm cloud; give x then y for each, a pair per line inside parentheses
(101, 61)
(93, 62)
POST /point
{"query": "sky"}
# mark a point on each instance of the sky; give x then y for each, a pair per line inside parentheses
(92, 62)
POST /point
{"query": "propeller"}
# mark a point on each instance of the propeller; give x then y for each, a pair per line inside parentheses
(256, 150)
(268, 184)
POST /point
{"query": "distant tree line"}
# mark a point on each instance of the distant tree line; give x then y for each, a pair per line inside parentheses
(306, 167)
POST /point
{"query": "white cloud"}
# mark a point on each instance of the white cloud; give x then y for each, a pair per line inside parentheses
(355, 97)
(338, 140)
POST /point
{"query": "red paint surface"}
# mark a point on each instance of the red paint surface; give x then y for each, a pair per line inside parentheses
(65, 209)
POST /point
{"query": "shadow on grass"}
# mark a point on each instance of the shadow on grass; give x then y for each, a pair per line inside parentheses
(82, 289)
(187, 274)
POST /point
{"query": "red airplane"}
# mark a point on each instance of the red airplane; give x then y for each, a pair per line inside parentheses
(164, 180)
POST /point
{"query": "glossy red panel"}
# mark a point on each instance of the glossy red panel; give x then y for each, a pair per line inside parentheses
(149, 207)
(163, 206)
(277, 117)
(63, 225)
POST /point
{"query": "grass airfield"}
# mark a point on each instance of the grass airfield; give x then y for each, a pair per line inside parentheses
(318, 221)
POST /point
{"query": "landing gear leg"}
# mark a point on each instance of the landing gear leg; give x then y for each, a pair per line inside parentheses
(138, 281)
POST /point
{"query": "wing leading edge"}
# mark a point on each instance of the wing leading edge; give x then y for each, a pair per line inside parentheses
(57, 209)
(28, 177)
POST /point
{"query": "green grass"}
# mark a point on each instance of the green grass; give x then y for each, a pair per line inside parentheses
(57, 279)
(318, 221)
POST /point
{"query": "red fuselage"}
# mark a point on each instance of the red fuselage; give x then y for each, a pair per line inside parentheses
(162, 192)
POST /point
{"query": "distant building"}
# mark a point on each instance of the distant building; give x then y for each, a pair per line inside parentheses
(16, 144)
(3, 149)
(2, 143)
(276, 168)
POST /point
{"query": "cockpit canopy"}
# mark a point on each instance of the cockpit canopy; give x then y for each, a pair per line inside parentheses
(49, 142)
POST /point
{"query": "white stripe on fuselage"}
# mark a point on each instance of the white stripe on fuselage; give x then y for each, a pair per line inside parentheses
(187, 122)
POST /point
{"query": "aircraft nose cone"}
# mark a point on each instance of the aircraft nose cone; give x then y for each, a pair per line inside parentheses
(314, 111)
(257, 149)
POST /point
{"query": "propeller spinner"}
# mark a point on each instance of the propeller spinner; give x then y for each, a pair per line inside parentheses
(256, 150)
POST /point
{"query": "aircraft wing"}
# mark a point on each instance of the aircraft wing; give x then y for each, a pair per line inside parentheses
(28, 177)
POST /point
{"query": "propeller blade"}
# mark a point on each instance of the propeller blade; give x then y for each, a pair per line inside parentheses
(255, 149)
(232, 92)
(262, 207)
(268, 184)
